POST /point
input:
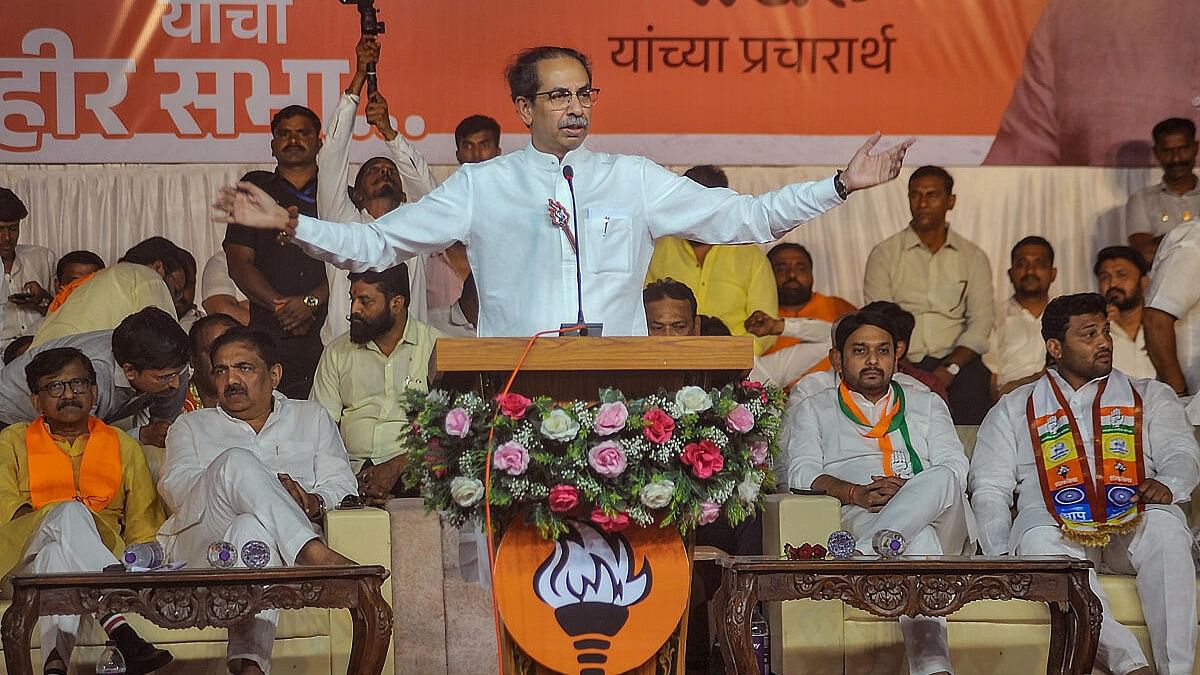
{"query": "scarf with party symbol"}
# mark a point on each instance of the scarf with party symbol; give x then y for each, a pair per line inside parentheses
(890, 431)
(1090, 509)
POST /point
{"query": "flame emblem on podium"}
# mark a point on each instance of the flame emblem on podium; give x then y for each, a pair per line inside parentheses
(590, 582)
(591, 602)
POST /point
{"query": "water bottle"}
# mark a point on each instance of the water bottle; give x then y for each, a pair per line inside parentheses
(111, 660)
(760, 638)
(147, 556)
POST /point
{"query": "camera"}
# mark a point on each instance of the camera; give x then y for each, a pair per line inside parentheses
(368, 17)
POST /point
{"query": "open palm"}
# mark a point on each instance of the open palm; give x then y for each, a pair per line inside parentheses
(866, 170)
(249, 205)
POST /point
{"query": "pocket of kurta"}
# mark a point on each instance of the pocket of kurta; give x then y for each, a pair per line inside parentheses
(607, 240)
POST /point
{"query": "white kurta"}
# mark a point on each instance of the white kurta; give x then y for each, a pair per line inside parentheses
(1003, 464)
(524, 266)
(334, 205)
(219, 479)
(1173, 289)
(1015, 348)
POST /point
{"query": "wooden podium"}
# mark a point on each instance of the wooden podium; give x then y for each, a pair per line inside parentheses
(577, 368)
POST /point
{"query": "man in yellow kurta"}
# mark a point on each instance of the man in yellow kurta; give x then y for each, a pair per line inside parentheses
(731, 282)
(73, 493)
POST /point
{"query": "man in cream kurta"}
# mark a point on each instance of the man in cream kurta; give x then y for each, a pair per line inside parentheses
(1157, 546)
(507, 212)
(68, 525)
(911, 480)
(259, 467)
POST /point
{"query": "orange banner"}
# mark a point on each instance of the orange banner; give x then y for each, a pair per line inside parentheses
(198, 80)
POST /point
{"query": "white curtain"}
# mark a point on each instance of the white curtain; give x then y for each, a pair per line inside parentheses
(108, 208)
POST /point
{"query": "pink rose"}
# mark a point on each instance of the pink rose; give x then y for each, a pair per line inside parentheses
(607, 459)
(511, 458)
(458, 422)
(709, 512)
(607, 523)
(563, 498)
(513, 406)
(740, 419)
(758, 452)
(704, 457)
(611, 418)
(658, 425)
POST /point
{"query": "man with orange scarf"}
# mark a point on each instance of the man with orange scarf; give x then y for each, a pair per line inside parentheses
(73, 493)
(890, 454)
(1098, 463)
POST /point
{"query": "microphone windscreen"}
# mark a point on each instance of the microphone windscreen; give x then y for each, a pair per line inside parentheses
(568, 172)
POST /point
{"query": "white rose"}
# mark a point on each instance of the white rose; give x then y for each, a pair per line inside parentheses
(466, 491)
(692, 400)
(657, 494)
(559, 425)
(748, 489)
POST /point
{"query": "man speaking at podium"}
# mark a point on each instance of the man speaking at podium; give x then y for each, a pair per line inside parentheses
(517, 213)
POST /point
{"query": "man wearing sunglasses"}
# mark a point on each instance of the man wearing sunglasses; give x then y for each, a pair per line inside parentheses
(520, 214)
(141, 372)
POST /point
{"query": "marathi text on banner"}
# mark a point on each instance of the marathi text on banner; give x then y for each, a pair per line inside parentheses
(247, 19)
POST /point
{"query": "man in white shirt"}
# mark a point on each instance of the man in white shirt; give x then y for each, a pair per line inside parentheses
(259, 467)
(382, 183)
(1122, 276)
(910, 478)
(219, 294)
(514, 213)
(1154, 211)
(945, 281)
(1146, 458)
(28, 271)
(1016, 352)
(1171, 317)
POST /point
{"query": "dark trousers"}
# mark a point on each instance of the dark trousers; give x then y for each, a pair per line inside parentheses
(299, 356)
(970, 392)
(744, 539)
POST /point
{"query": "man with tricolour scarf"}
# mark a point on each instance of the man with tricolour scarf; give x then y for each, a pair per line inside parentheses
(888, 451)
(1098, 463)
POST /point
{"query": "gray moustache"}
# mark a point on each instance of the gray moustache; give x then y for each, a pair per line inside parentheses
(574, 121)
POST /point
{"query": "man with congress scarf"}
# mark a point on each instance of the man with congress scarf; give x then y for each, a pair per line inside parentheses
(73, 493)
(1098, 463)
(890, 454)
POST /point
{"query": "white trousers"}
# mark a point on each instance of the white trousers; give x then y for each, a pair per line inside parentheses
(1158, 554)
(244, 501)
(66, 541)
(919, 511)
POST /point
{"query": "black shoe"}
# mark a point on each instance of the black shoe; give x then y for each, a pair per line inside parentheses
(140, 656)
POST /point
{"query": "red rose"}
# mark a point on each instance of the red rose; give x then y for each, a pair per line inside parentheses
(563, 498)
(658, 425)
(704, 457)
(513, 406)
(614, 523)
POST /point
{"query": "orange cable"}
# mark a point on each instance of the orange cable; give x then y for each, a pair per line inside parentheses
(487, 492)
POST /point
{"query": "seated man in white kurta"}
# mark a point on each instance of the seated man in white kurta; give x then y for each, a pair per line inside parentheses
(259, 467)
(889, 453)
(1146, 458)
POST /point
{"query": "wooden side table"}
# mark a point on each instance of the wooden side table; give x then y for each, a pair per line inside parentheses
(931, 586)
(198, 598)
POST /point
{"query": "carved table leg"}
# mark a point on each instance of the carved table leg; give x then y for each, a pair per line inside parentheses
(15, 628)
(1061, 640)
(372, 619)
(736, 598)
(1086, 614)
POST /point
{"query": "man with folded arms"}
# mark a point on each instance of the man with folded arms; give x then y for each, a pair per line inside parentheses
(73, 493)
(1054, 442)
(889, 453)
(258, 467)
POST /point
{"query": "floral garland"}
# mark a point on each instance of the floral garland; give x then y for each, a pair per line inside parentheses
(678, 458)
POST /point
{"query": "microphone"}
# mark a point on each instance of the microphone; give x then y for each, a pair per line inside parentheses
(569, 174)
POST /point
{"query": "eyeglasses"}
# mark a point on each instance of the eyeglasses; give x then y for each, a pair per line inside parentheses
(57, 388)
(165, 379)
(560, 99)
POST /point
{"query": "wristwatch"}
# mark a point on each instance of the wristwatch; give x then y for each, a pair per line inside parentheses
(839, 185)
(953, 368)
(312, 301)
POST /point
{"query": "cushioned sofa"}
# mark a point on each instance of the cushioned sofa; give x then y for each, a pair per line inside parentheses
(826, 637)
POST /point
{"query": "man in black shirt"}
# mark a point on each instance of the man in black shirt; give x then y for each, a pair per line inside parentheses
(288, 291)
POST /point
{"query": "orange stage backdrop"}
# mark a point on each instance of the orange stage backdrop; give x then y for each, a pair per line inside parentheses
(197, 80)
